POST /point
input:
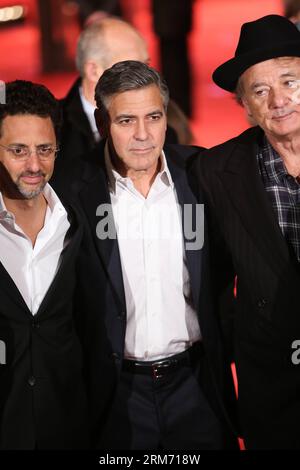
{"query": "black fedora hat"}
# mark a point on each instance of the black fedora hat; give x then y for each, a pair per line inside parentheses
(263, 39)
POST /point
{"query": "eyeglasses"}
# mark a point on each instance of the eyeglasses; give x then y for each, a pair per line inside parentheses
(21, 153)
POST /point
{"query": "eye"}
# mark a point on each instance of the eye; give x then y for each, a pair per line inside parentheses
(154, 117)
(291, 83)
(261, 92)
(45, 149)
(19, 151)
(126, 121)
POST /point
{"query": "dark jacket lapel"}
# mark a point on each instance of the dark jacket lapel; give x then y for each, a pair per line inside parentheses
(74, 235)
(96, 203)
(244, 185)
(10, 288)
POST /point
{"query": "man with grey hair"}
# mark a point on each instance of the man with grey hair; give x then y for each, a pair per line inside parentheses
(157, 372)
(100, 45)
(252, 190)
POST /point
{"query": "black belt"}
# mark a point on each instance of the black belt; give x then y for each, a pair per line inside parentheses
(158, 369)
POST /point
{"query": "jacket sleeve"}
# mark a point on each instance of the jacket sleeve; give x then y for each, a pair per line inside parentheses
(222, 271)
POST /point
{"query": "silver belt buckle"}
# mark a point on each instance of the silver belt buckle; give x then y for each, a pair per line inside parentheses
(159, 365)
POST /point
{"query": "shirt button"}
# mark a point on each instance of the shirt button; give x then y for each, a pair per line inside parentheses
(31, 381)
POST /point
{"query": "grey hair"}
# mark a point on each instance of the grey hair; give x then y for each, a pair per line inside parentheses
(239, 94)
(91, 45)
(239, 91)
(126, 76)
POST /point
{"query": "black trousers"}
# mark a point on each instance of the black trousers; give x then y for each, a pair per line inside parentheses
(169, 413)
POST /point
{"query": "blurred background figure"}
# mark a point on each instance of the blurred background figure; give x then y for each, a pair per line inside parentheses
(100, 45)
(53, 47)
(172, 23)
(178, 121)
(292, 11)
(94, 10)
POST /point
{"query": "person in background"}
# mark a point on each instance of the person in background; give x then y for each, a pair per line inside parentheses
(100, 45)
(178, 121)
(94, 10)
(292, 11)
(172, 22)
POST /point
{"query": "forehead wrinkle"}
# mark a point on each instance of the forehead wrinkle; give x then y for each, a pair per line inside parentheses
(258, 84)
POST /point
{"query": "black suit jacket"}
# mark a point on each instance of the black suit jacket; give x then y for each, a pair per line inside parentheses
(248, 243)
(77, 138)
(104, 325)
(42, 393)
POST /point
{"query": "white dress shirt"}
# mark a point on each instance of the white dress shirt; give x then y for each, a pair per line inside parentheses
(89, 110)
(33, 268)
(161, 320)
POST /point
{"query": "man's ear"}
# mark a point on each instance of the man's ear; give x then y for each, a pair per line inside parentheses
(92, 71)
(246, 106)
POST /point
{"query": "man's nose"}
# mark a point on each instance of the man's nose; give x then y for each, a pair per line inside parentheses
(141, 131)
(278, 97)
(33, 163)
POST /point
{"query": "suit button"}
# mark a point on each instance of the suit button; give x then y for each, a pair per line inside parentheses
(31, 381)
(262, 303)
(115, 356)
(35, 324)
(121, 315)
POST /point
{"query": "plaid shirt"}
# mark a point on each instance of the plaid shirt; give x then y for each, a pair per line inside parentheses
(284, 193)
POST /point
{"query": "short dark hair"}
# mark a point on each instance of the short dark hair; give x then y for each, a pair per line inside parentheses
(25, 97)
(126, 76)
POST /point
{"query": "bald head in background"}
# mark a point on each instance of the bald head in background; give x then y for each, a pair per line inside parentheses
(100, 45)
(103, 44)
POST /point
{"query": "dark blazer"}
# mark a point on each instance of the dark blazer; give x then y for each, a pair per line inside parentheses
(247, 242)
(77, 138)
(104, 325)
(42, 393)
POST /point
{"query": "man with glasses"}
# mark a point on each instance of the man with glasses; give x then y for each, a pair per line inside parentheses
(42, 394)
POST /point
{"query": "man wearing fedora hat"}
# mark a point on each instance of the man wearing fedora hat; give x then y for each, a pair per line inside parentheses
(252, 190)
